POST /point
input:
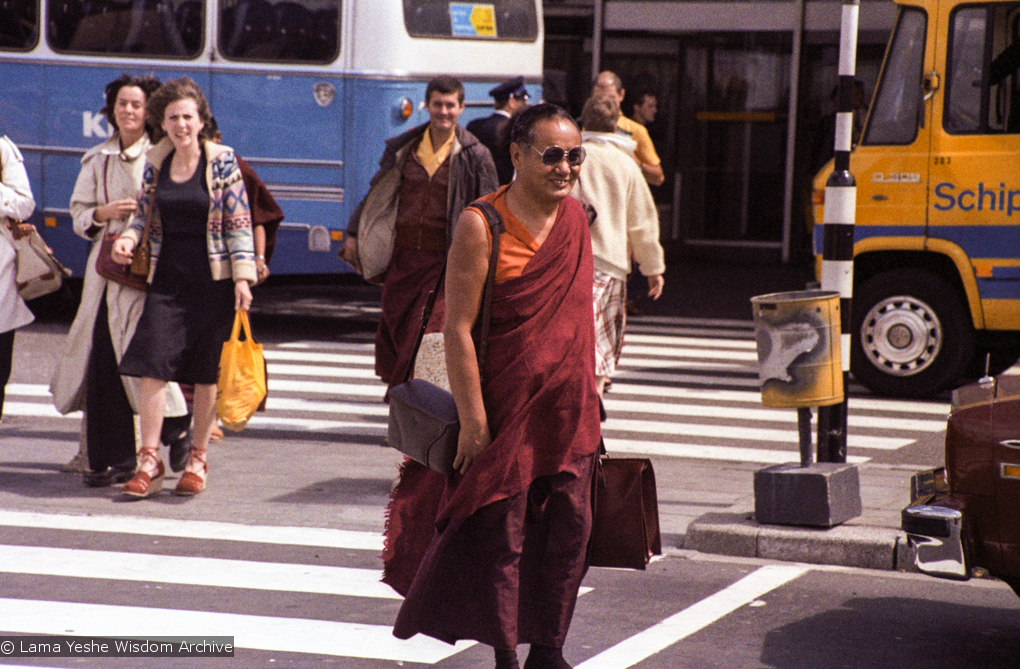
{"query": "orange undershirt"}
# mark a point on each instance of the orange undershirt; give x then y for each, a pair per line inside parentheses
(516, 245)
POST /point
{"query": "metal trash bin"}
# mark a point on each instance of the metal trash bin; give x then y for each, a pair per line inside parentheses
(799, 361)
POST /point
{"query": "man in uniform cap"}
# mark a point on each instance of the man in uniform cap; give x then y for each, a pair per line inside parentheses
(493, 131)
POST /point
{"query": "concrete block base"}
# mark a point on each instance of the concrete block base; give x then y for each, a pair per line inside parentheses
(822, 494)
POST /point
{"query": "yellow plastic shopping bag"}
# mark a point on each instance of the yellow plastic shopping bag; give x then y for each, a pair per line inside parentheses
(242, 383)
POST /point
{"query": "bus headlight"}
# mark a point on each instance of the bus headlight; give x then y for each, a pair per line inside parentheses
(404, 109)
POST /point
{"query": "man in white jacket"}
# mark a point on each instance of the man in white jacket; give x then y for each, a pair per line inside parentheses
(626, 223)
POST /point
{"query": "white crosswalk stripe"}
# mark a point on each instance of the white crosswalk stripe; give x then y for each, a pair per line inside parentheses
(198, 529)
(685, 388)
(772, 415)
(212, 572)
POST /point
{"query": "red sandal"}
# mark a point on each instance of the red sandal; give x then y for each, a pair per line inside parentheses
(190, 482)
(143, 484)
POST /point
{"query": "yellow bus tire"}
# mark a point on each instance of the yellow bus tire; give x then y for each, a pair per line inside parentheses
(911, 334)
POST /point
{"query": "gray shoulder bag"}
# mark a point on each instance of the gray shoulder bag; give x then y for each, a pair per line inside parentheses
(423, 421)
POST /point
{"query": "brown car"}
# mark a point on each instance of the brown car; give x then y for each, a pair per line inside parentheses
(966, 515)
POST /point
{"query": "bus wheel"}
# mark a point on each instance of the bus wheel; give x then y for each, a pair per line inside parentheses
(911, 334)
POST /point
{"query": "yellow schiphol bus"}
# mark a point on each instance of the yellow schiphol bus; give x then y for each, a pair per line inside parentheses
(937, 240)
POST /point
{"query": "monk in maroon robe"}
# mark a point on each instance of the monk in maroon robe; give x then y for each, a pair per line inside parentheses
(497, 551)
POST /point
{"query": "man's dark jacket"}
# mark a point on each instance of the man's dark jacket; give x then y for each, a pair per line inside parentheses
(492, 131)
(472, 174)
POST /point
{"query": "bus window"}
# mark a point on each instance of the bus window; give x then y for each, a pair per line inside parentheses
(500, 19)
(171, 28)
(19, 30)
(303, 31)
(966, 71)
(981, 90)
(896, 112)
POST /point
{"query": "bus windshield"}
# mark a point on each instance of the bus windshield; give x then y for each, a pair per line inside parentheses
(895, 115)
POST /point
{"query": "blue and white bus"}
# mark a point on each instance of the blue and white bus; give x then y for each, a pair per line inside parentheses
(304, 90)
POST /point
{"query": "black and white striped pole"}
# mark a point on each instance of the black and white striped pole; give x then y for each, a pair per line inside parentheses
(838, 232)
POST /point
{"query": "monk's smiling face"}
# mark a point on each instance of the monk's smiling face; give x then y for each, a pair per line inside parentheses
(538, 178)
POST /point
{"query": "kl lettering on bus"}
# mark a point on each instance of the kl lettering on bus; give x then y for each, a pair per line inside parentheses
(95, 125)
(982, 199)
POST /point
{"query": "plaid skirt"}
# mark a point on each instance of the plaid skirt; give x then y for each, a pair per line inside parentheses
(609, 299)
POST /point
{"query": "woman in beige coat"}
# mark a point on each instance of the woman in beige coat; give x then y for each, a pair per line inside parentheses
(105, 196)
(16, 204)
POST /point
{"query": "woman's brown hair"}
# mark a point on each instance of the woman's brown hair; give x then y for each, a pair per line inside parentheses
(172, 91)
(149, 85)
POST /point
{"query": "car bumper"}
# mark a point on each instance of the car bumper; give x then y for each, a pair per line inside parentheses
(934, 529)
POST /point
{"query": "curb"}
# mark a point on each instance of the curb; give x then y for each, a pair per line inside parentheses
(739, 535)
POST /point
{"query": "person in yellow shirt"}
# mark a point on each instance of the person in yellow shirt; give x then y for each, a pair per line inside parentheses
(609, 84)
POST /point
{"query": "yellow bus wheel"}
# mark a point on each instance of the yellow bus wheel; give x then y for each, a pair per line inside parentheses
(911, 334)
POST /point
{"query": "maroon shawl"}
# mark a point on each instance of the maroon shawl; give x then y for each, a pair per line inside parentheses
(539, 394)
(264, 209)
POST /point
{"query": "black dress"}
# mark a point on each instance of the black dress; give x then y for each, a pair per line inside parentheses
(187, 315)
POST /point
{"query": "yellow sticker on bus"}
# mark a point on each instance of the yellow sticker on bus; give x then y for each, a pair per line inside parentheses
(472, 20)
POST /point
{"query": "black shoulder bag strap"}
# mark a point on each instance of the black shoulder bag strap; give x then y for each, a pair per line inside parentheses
(495, 222)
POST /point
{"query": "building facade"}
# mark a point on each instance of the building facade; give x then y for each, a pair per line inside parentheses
(738, 156)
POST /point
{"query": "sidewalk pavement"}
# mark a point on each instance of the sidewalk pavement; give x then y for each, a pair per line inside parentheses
(703, 505)
(709, 507)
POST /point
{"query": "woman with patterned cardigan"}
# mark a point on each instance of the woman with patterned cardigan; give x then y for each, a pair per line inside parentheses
(202, 267)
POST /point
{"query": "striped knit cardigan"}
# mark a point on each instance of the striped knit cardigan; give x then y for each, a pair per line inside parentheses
(229, 232)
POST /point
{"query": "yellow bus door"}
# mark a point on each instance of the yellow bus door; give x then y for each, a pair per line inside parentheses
(975, 163)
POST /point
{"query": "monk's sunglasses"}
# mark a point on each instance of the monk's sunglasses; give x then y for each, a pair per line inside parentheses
(554, 154)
